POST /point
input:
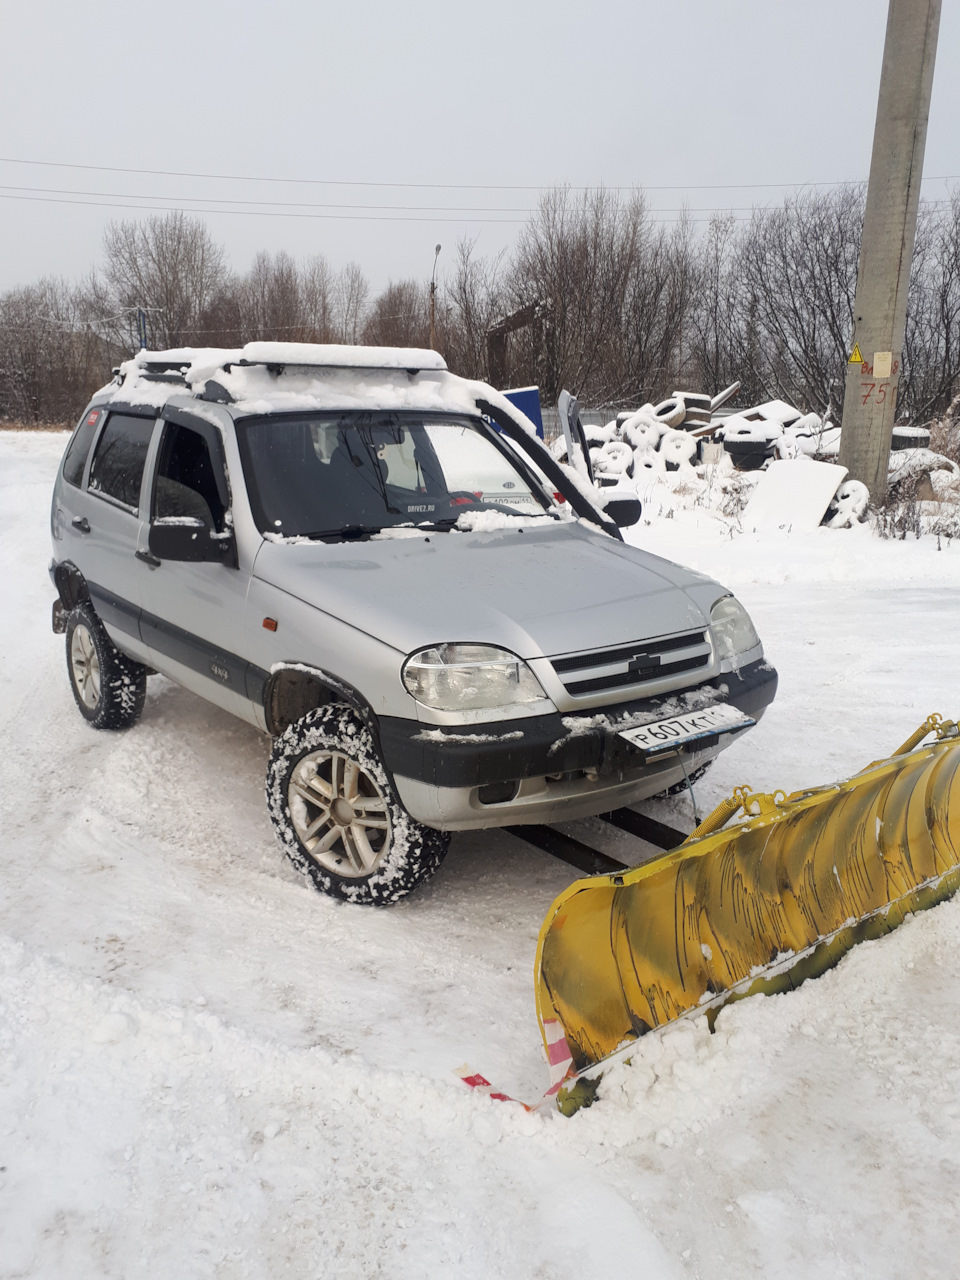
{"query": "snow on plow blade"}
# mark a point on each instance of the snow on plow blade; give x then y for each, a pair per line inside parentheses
(757, 907)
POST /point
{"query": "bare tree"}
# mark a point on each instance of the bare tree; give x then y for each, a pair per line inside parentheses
(270, 300)
(316, 298)
(580, 253)
(715, 321)
(50, 357)
(400, 316)
(170, 268)
(931, 366)
(350, 293)
(658, 346)
(795, 273)
(471, 300)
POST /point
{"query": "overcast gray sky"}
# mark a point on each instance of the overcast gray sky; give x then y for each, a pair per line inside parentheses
(423, 122)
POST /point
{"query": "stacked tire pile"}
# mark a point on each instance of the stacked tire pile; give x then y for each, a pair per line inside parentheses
(652, 440)
(773, 430)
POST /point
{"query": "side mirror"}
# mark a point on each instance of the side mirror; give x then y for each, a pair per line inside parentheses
(624, 512)
(190, 539)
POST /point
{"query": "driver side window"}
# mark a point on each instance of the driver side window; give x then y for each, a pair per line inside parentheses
(187, 479)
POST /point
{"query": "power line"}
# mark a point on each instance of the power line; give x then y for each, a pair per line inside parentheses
(250, 213)
(284, 212)
(388, 208)
(390, 213)
(451, 186)
(285, 204)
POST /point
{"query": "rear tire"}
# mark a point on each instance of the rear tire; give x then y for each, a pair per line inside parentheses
(109, 688)
(338, 817)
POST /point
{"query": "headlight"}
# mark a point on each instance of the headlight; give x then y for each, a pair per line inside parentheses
(469, 677)
(732, 629)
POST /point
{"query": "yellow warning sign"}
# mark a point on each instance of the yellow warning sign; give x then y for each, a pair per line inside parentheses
(856, 357)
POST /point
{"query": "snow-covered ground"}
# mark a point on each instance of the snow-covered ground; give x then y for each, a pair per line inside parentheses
(209, 1070)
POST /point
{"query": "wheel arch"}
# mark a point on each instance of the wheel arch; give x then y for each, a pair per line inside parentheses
(70, 583)
(295, 688)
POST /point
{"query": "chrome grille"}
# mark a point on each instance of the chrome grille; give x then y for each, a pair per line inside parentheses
(634, 665)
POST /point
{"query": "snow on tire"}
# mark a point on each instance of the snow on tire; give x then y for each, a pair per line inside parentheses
(615, 458)
(670, 412)
(109, 688)
(337, 816)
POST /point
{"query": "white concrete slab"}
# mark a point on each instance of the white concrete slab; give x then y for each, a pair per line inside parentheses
(793, 493)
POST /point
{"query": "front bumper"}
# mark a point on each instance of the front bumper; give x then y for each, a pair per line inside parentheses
(554, 767)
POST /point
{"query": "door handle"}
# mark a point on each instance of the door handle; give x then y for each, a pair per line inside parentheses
(148, 558)
(81, 523)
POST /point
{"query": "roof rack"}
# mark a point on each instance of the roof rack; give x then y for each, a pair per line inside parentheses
(173, 371)
(281, 366)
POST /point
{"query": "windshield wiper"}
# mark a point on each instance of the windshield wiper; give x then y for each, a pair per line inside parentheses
(446, 523)
(346, 532)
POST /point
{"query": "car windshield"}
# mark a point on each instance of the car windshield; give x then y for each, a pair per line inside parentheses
(337, 475)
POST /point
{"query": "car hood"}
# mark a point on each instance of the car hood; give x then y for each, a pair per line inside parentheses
(537, 591)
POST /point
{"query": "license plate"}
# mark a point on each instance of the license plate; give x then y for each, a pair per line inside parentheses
(677, 731)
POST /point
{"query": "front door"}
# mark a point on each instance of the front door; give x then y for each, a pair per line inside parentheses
(194, 615)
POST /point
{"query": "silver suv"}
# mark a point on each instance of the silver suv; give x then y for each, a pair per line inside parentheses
(379, 564)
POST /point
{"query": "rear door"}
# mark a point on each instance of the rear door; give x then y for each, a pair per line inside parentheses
(103, 517)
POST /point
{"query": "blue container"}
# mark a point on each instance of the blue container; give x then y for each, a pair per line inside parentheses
(527, 400)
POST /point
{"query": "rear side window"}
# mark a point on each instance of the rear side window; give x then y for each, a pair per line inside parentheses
(121, 452)
(79, 446)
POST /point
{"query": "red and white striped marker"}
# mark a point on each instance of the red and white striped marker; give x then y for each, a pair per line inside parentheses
(559, 1057)
(559, 1060)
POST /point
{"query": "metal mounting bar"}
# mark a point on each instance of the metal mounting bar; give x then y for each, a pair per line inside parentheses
(638, 824)
(590, 861)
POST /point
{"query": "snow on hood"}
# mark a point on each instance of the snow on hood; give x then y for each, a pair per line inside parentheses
(536, 591)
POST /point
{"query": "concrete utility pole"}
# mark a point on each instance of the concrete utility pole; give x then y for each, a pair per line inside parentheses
(889, 231)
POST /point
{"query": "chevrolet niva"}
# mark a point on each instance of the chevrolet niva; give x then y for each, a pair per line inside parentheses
(379, 564)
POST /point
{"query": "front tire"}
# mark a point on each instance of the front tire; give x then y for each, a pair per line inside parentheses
(338, 817)
(109, 688)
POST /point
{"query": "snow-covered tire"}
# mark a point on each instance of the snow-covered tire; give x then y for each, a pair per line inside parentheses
(616, 458)
(109, 688)
(670, 412)
(338, 817)
(848, 506)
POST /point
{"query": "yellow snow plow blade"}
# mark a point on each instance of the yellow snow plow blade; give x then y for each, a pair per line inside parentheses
(757, 907)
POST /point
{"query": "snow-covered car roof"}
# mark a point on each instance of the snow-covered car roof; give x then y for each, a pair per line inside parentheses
(304, 377)
(276, 377)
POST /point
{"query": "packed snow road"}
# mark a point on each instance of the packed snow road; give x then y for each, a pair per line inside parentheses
(207, 1069)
